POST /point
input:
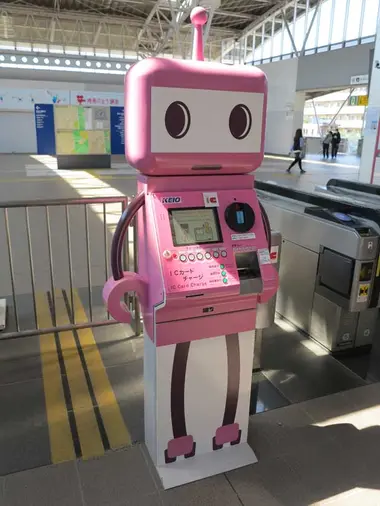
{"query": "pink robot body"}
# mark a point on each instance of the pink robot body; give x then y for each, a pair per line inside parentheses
(177, 104)
(194, 272)
(194, 130)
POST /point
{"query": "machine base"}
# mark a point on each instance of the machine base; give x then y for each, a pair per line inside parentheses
(205, 465)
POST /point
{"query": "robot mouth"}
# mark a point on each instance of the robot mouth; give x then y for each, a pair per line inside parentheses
(206, 167)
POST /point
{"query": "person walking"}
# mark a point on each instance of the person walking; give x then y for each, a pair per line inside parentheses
(326, 144)
(298, 150)
(335, 141)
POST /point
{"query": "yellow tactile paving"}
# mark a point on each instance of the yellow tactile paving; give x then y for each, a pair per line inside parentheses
(61, 443)
(87, 426)
(117, 432)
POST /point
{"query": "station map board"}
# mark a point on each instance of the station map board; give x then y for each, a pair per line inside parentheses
(82, 130)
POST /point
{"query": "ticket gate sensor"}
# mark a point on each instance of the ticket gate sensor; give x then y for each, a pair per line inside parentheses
(194, 130)
(353, 186)
(327, 271)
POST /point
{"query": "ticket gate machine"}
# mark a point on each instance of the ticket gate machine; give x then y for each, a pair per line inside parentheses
(368, 211)
(328, 268)
(203, 255)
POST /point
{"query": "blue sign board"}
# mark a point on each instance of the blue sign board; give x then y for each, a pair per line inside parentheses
(117, 130)
(45, 133)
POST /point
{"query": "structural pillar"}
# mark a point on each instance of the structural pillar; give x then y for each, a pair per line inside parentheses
(370, 160)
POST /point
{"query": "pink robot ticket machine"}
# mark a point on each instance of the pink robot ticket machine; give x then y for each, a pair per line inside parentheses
(194, 130)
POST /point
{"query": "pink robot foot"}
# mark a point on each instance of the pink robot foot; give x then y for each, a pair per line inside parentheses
(226, 434)
(177, 447)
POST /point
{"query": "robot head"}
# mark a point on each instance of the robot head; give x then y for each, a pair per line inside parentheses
(193, 117)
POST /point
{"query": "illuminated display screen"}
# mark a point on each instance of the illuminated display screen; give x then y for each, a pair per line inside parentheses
(194, 226)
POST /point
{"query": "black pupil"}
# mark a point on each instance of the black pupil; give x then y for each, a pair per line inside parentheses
(177, 120)
(240, 121)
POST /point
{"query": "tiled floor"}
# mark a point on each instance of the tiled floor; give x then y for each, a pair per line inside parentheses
(320, 452)
(25, 177)
(299, 463)
(293, 370)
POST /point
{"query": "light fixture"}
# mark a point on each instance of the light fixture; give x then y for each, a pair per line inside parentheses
(35, 60)
(88, 63)
(98, 64)
(24, 59)
(68, 62)
(57, 61)
(77, 63)
(13, 58)
(118, 66)
(46, 61)
(108, 65)
(2, 57)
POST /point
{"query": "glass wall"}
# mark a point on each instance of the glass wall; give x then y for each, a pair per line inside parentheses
(337, 23)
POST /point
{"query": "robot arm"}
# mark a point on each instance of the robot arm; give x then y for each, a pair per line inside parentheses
(123, 282)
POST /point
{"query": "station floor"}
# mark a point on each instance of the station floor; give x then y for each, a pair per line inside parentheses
(71, 403)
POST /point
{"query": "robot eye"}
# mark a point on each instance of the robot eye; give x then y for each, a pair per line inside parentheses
(177, 120)
(240, 121)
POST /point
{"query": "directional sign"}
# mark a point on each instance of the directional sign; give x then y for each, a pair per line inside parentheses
(359, 100)
(117, 131)
(363, 79)
(44, 120)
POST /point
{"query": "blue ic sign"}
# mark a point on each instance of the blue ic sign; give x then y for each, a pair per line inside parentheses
(117, 130)
(44, 121)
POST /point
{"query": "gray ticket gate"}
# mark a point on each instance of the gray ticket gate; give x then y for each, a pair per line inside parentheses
(327, 272)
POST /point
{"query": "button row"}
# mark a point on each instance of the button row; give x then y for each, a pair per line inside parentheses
(200, 256)
(224, 274)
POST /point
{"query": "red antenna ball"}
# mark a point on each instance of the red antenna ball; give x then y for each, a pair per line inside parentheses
(198, 16)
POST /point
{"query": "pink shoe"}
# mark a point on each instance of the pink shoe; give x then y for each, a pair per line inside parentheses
(177, 447)
(226, 434)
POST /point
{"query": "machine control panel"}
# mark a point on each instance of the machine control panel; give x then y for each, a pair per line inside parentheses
(187, 265)
(217, 248)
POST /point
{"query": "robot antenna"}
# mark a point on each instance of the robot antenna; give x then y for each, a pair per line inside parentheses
(198, 18)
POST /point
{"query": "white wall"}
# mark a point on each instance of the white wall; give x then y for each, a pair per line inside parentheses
(371, 146)
(285, 105)
(333, 69)
(59, 85)
(17, 128)
(17, 132)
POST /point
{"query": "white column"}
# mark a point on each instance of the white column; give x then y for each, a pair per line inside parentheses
(370, 145)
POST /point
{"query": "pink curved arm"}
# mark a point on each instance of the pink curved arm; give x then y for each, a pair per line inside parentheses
(114, 291)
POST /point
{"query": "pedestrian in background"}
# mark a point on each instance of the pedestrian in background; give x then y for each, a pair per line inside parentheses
(298, 150)
(335, 143)
(326, 144)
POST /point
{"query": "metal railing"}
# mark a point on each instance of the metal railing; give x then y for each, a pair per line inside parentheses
(60, 248)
